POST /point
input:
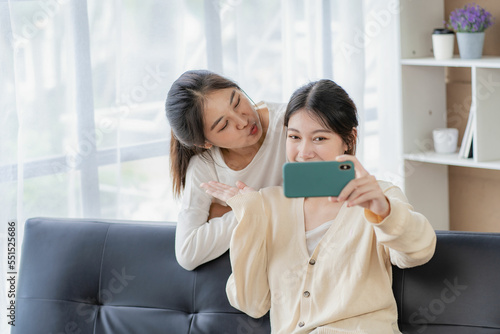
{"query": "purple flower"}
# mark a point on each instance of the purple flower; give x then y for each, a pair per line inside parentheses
(471, 18)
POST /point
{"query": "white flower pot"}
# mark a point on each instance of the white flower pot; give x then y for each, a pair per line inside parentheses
(470, 44)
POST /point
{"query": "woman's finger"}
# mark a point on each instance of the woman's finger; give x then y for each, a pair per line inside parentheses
(221, 186)
(223, 191)
(364, 199)
(240, 185)
(219, 190)
(244, 189)
(358, 167)
(348, 190)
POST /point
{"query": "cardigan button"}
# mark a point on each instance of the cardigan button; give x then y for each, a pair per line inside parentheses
(312, 262)
(301, 324)
(306, 294)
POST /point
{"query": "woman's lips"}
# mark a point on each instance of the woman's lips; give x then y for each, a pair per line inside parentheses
(254, 129)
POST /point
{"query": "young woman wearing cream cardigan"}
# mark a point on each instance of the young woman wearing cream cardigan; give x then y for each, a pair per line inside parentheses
(322, 265)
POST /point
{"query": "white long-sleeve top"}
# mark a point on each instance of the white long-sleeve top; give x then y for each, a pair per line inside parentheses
(345, 286)
(198, 241)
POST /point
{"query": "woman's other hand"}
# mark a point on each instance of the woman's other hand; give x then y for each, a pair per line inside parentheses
(218, 210)
(223, 191)
(364, 190)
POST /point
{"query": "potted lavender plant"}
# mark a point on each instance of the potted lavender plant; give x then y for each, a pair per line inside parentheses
(469, 23)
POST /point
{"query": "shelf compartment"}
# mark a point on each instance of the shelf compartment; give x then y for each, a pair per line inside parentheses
(426, 186)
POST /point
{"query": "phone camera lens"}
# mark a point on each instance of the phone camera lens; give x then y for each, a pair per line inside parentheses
(345, 167)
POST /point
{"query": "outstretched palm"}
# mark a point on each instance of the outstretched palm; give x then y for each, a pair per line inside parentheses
(223, 191)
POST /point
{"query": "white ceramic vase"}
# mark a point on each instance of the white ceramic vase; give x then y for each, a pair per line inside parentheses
(445, 140)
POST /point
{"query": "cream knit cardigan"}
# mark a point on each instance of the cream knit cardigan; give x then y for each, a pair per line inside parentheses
(345, 286)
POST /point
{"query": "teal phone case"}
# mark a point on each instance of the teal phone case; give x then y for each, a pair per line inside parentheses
(316, 179)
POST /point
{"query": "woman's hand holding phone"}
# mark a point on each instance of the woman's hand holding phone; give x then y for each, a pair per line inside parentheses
(364, 190)
(223, 191)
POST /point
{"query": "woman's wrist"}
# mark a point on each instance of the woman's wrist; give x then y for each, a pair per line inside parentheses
(376, 218)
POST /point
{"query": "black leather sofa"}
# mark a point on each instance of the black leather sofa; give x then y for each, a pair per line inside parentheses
(95, 276)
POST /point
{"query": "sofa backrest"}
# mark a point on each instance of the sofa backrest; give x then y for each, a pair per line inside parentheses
(83, 276)
(104, 277)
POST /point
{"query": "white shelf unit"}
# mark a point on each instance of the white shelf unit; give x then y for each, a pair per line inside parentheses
(423, 91)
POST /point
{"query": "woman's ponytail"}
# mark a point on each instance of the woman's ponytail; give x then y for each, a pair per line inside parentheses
(180, 156)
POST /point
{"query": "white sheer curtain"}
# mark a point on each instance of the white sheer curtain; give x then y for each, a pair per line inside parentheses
(83, 84)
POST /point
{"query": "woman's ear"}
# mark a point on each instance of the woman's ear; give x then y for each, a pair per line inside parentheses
(207, 145)
(352, 144)
(355, 134)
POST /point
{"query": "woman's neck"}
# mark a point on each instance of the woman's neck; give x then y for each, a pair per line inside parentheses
(263, 112)
(238, 159)
(319, 210)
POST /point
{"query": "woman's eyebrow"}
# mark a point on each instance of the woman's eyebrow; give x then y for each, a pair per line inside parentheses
(217, 121)
(315, 131)
(322, 130)
(232, 96)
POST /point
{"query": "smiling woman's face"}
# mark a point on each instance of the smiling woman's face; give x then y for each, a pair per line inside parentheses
(309, 140)
(230, 119)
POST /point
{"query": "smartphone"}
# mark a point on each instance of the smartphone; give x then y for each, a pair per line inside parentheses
(316, 179)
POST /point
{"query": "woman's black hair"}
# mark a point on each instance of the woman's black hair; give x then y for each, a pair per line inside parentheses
(332, 106)
(184, 108)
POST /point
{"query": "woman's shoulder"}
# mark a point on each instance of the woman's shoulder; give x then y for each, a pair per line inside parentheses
(276, 109)
(202, 164)
(199, 160)
(276, 113)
